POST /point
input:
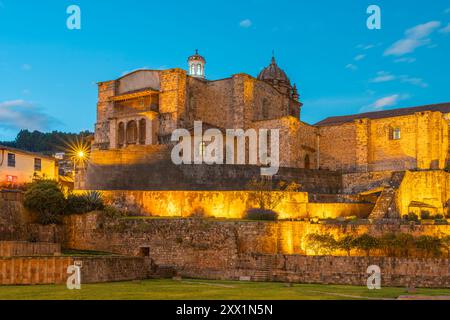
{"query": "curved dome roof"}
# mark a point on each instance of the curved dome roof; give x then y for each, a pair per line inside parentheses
(273, 72)
(196, 57)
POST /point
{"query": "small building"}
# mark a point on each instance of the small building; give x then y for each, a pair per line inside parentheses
(18, 167)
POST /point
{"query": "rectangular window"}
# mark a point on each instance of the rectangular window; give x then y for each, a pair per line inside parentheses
(37, 164)
(396, 134)
(11, 160)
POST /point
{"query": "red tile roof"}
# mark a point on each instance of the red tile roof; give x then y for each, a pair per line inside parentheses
(442, 107)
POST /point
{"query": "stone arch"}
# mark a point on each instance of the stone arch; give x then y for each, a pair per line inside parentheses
(121, 134)
(142, 131)
(132, 132)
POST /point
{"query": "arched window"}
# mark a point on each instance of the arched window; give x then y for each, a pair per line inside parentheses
(199, 69)
(121, 135)
(192, 69)
(142, 131)
(132, 132)
(307, 162)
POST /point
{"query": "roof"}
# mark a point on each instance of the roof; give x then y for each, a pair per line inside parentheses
(273, 72)
(34, 154)
(442, 107)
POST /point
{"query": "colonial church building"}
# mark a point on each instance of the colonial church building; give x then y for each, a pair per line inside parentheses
(138, 112)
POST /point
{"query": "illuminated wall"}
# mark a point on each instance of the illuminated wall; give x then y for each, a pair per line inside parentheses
(228, 204)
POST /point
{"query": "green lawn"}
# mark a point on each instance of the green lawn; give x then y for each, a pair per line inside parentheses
(203, 290)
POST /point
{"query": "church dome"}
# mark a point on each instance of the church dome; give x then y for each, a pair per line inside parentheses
(196, 57)
(197, 66)
(273, 74)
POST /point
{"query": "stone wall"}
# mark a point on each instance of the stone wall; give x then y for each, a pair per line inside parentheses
(428, 188)
(53, 270)
(229, 204)
(364, 181)
(368, 144)
(23, 248)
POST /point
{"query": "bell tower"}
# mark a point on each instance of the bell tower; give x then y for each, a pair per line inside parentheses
(197, 66)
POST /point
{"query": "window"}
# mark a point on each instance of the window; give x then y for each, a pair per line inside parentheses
(11, 160)
(396, 134)
(307, 162)
(199, 69)
(37, 164)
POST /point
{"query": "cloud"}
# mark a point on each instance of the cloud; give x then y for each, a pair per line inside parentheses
(351, 67)
(383, 76)
(414, 38)
(414, 81)
(381, 103)
(359, 57)
(405, 60)
(20, 114)
(447, 10)
(247, 23)
(445, 29)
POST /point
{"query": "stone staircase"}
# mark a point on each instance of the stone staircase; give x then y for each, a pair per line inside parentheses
(264, 268)
(387, 198)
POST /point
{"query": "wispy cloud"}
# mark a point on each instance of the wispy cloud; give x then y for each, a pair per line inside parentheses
(447, 10)
(246, 23)
(360, 57)
(383, 76)
(445, 29)
(414, 38)
(20, 114)
(384, 102)
(405, 60)
(351, 67)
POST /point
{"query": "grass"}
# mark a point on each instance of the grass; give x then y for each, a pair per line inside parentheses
(204, 290)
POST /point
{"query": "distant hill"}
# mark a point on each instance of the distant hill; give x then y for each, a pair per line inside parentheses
(47, 143)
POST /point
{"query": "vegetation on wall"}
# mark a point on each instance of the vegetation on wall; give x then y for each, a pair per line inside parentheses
(47, 200)
(390, 245)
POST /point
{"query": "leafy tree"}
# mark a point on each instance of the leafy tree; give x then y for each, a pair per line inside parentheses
(429, 246)
(346, 243)
(321, 244)
(445, 243)
(404, 243)
(367, 243)
(388, 244)
(45, 198)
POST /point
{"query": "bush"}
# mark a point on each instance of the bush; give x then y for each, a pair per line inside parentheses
(87, 202)
(46, 199)
(413, 217)
(424, 215)
(367, 243)
(346, 243)
(261, 214)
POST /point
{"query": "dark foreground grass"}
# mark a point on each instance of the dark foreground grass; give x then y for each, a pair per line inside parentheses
(203, 290)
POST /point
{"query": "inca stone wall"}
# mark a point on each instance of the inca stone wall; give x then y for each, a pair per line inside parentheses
(231, 249)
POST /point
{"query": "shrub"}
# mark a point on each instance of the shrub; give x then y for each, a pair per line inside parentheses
(404, 243)
(413, 217)
(439, 217)
(87, 202)
(45, 198)
(261, 214)
(425, 215)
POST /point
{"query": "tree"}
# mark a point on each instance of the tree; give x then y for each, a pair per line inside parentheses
(269, 195)
(445, 243)
(321, 244)
(366, 243)
(346, 243)
(388, 244)
(429, 246)
(45, 198)
(404, 243)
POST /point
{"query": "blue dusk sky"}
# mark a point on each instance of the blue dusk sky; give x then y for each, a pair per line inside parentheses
(48, 73)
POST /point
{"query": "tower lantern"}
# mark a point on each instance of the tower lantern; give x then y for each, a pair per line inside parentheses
(197, 66)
